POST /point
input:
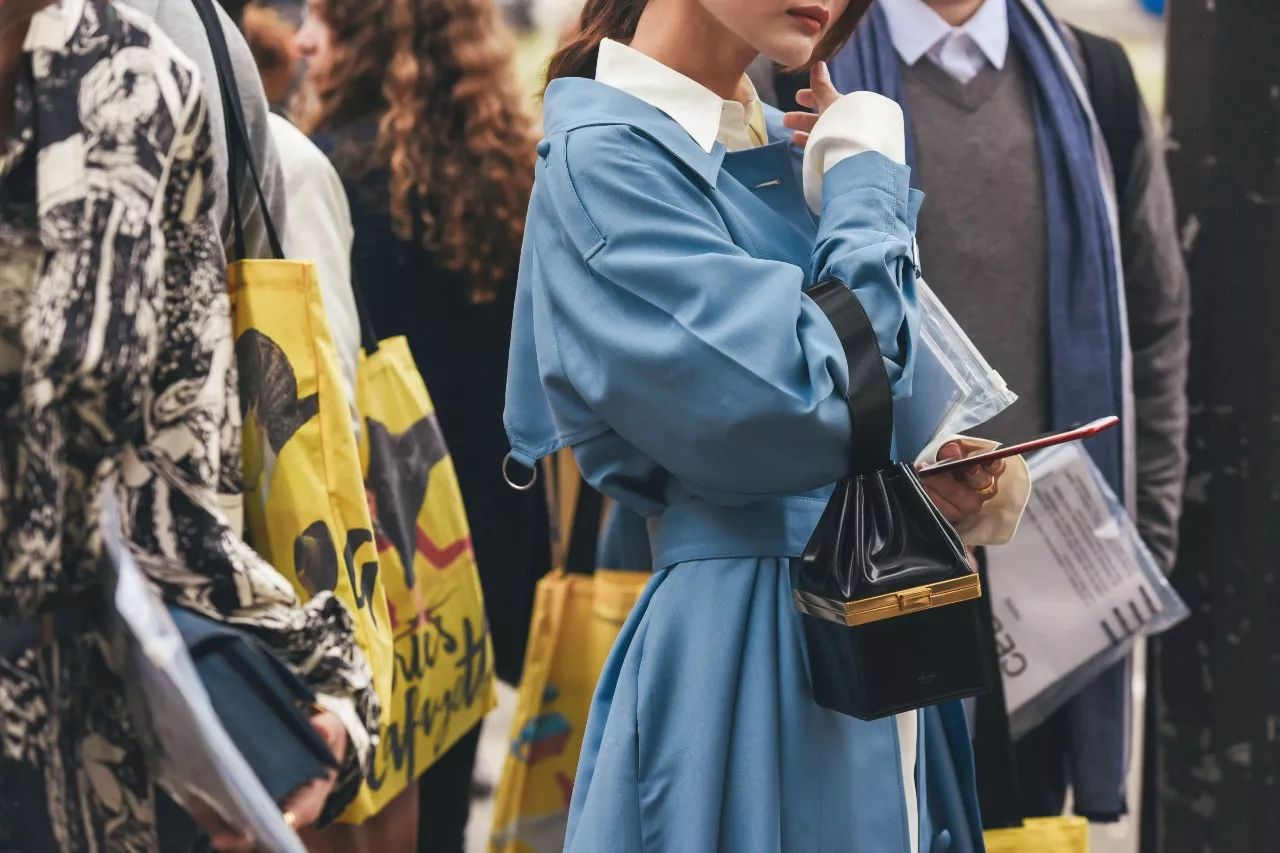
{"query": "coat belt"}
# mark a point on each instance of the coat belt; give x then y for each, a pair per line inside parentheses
(774, 526)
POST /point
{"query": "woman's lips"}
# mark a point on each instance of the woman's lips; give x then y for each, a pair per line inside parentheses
(812, 18)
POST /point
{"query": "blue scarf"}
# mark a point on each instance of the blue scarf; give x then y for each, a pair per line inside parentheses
(1087, 338)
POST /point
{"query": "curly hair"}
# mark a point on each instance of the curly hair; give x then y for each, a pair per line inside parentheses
(454, 132)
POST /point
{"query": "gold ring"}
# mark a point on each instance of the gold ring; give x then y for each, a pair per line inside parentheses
(988, 491)
(290, 818)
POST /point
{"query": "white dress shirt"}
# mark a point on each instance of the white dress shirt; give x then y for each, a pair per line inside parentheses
(917, 30)
(859, 121)
(706, 116)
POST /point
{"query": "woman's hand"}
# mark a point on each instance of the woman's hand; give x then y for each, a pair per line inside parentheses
(222, 835)
(820, 95)
(962, 494)
(301, 808)
(305, 805)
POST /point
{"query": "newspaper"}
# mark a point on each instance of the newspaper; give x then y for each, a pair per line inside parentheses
(192, 755)
(1073, 589)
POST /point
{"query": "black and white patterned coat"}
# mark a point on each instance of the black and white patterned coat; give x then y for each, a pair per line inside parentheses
(117, 371)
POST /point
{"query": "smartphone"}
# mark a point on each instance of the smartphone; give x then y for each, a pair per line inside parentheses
(1074, 434)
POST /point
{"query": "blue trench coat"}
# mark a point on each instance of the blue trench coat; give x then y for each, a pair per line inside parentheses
(662, 331)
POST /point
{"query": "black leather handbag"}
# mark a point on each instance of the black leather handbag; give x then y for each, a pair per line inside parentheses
(889, 602)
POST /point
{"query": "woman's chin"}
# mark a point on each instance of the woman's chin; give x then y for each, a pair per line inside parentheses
(790, 53)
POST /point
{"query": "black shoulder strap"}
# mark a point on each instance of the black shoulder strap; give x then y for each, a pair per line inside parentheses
(581, 558)
(870, 397)
(239, 152)
(368, 336)
(1113, 91)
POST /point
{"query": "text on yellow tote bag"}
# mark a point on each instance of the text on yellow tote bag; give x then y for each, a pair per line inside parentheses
(443, 681)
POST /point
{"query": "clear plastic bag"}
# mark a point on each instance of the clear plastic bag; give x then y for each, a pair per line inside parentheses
(1073, 590)
(953, 387)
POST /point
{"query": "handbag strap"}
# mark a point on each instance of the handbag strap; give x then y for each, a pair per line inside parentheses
(870, 396)
(368, 335)
(583, 540)
(238, 148)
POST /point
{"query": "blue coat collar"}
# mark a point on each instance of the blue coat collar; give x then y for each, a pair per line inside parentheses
(574, 102)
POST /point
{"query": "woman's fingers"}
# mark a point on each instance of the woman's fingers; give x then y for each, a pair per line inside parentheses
(222, 836)
(977, 478)
(949, 510)
(821, 94)
(983, 479)
(967, 500)
(824, 91)
(230, 842)
(956, 499)
(307, 802)
(331, 730)
(799, 121)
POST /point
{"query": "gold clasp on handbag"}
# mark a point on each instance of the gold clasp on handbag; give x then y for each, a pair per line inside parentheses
(890, 604)
(920, 598)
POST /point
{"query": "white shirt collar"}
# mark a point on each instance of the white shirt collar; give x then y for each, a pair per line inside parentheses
(916, 29)
(701, 112)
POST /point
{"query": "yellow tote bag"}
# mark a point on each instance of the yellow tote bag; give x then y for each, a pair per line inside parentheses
(576, 619)
(305, 509)
(1041, 835)
(443, 674)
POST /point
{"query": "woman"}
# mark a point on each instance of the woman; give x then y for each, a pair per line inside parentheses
(115, 374)
(270, 37)
(661, 331)
(415, 102)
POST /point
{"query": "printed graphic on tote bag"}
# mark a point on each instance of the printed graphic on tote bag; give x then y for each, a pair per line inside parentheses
(270, 408)
(399, 475)
(443, 674)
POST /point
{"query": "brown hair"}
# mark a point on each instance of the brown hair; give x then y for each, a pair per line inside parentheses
(454, 132)
(270, 39)
(617, 19)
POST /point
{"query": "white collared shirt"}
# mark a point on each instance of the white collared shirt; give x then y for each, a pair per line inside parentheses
(706, 116)
(858, 122)
(961, 51)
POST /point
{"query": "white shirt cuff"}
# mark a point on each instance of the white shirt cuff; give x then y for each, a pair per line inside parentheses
(857, 122)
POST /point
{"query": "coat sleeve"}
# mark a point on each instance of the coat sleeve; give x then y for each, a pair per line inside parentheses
(709, 358)
(1159, 311)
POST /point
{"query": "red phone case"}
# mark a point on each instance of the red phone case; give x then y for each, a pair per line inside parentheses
(1074, 434)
